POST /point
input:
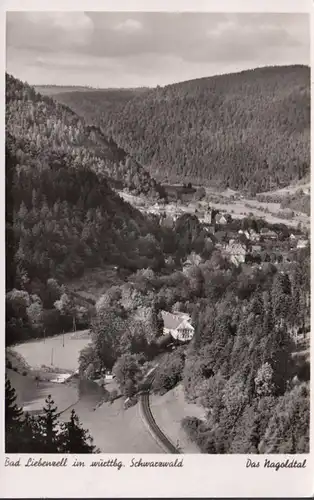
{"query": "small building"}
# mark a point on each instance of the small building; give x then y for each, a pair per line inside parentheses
(268, 233)
(302, 243)
(236, 252)
(222, 219)
(178, 325)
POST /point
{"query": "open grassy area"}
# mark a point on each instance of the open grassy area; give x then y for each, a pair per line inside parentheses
(169, 410)
(61, 351)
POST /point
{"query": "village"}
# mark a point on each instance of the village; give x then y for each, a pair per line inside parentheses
(242, 238)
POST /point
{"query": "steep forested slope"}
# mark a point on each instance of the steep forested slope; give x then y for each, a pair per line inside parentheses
(244, 130)
(47, 124)
(61, 214)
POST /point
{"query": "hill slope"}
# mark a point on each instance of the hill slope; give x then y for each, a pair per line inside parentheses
(249, 130)
(61, 214)
(96, 105)
(43, 122)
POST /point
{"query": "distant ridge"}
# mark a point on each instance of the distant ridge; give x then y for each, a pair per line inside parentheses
(248, 130)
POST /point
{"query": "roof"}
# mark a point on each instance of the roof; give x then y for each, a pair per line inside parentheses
(234, 248)
(172, 321)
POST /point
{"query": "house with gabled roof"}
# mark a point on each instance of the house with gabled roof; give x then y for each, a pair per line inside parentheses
(178, 325)
(236, 252)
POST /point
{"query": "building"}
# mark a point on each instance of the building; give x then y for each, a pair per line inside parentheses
(302, 243)
(178, 325)
(268, 233)
(236, 252)
(222, 219)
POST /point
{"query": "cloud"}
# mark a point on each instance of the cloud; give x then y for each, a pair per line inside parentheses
(129, 26)
(48, 31)
(149, 48)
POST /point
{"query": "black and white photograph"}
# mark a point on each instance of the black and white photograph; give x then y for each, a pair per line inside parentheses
(157, 234)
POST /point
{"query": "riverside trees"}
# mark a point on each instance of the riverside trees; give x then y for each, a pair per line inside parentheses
(44, 433)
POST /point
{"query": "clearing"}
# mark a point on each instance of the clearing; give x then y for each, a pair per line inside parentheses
(61, 351)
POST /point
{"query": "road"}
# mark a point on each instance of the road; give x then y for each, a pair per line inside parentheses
(147, 413)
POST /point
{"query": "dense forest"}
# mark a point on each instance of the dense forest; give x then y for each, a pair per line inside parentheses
(249, 130)
(106, 101)
(241, 365)
(62, 216)
(50, 126)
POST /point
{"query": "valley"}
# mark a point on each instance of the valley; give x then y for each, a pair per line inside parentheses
(229, 201)
(181, 248)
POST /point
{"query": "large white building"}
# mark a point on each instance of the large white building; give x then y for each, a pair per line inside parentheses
(178, 325)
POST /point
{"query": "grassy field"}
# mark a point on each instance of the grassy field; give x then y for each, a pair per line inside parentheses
(61, 351)
(168, 411)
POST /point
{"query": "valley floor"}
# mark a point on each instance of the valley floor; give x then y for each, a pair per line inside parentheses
(114, 429)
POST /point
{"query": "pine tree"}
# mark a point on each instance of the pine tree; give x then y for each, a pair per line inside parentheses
(48, 427)
(13, 420)
(74, 439)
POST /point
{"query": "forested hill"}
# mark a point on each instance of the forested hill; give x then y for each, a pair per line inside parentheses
(248, 130)
(61, 216)
(104, 101)
(46, 124)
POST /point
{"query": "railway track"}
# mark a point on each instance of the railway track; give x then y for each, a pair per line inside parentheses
(162, 438)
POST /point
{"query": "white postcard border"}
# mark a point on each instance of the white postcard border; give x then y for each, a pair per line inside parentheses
(201, 475)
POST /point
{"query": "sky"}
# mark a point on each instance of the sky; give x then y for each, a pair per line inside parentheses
(121, 49)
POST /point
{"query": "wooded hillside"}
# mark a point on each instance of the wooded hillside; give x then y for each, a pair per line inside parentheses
(62, 215)
(44, 123)
(248, 130)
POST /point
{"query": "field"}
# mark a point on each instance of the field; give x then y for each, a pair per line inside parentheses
(52, 352)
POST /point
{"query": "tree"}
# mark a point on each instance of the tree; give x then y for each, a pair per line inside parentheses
(288, 428)
(13, 420)
(35, 315)
(157, 322)
(66, 307)
(48, 425)
(74, 439)
(128, 373)
(264, 385)
(53, 293)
